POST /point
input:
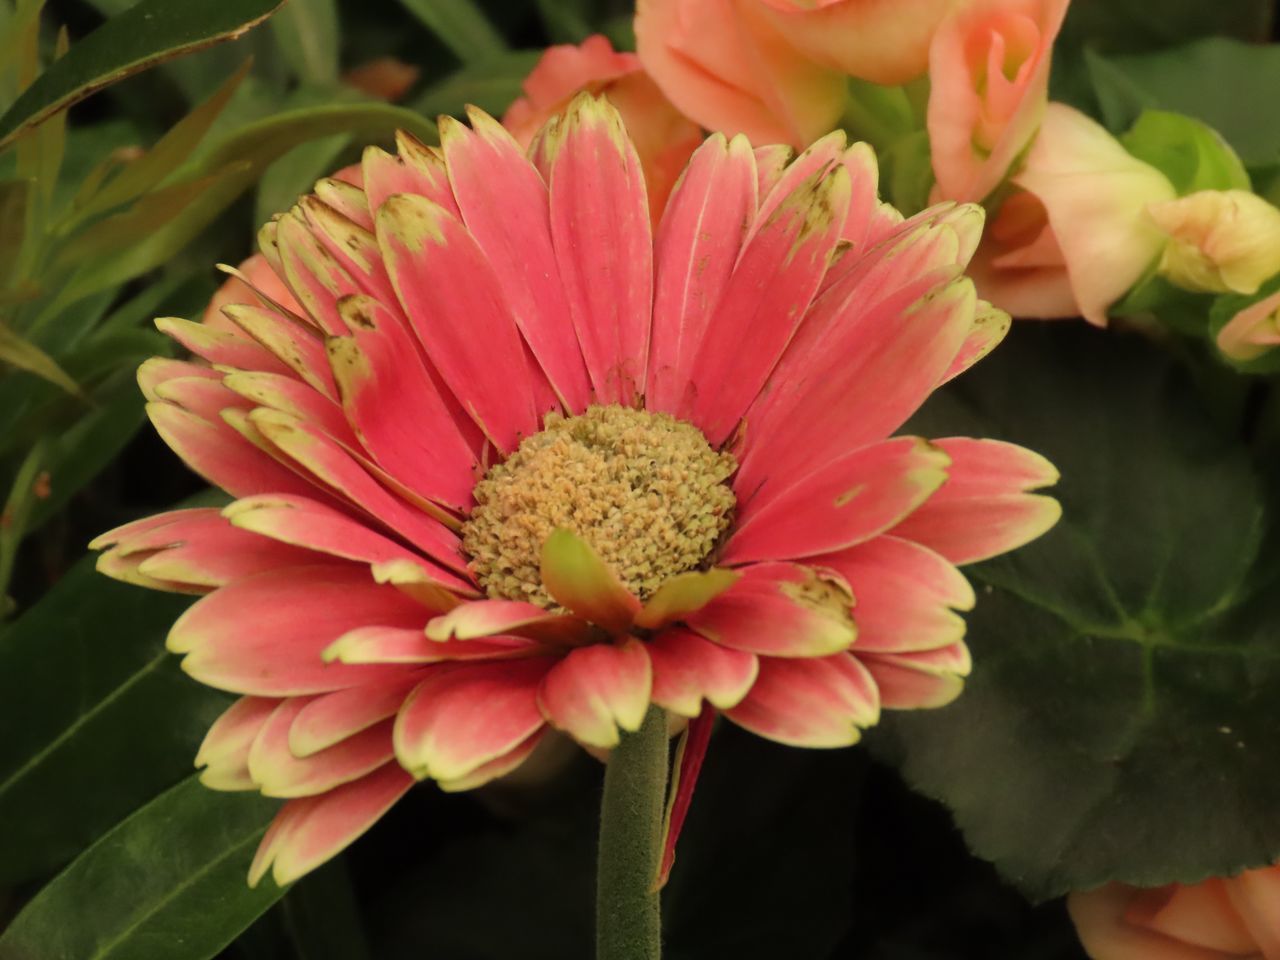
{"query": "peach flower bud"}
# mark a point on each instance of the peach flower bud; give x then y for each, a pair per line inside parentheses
(884, 41)
(1094, 195)
(724, 65)
(1252, 332)
(1223, 241)
(1235, 918)
(989, 82)
(664, 138)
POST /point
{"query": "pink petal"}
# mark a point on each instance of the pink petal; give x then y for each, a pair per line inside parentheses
(601, 230)
(845, 502)
(224, 752)
(904, 686)
(453, 297)
(690, 753)
(346, 199)
(352, 245)
(596, 690)
(297, 345)
(292, 397)
(989, 327)
(418, 170)
(219, 346)
(202, 396)
(495, 768)
(333, 717)
(982, 510)
(381, 377)
(265, 635)
(688, 669)
(810, 703)
(771, 611)
(905, 595)
(466, 715)
(485, 618)
(314, 275)
(698, 243)
(278, 773)
(309, 831)
(155, 371)
(506, 207)
(771, 161)
(319, 456)
(410, 645)
(766, 298)
(308, 523)
(857, 384)
(219, 454)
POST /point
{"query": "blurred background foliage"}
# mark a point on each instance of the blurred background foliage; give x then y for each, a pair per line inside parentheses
(143, 141)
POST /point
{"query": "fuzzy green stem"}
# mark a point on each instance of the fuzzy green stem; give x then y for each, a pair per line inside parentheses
(628, 922)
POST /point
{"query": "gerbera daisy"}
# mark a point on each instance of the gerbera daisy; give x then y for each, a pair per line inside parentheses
(506, 461)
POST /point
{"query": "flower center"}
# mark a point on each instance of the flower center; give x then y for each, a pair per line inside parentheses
(644, 489)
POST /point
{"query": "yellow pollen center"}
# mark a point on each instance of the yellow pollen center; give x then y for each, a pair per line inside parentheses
(644, 489)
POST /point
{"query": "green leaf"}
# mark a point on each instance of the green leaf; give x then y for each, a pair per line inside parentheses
(147, 34)
(97, 714)
(1193, 156)
(15, 197)
(307, 32)
(170, 151)
(1120, 720)
(1135, 25)
(461, 25)
(1208, 80)
(491, 85)
(295, 174)
(25, 355)
(565, 20)
(168, 882)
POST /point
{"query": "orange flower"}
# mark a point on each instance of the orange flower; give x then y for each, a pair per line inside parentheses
(1081, 227)
(1253, 331)
(722, 63)
(1220, 919)
(989, 73)
(664, 138)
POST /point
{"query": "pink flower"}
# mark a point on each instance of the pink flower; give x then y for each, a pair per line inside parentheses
(989, 75)
(1235, 918)
(506, 460)
(1253, 331)
(1079, 237)
(723, 64)
(664, 138)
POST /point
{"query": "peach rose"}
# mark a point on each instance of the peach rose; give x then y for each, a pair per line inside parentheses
(1253, 331)
(1219, 919)
(724, 65)
(884, 41)
(664, 137)
(989, 82)
(1083, 229)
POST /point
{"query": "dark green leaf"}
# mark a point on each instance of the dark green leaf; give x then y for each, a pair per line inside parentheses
(565, 20)
(307, 32)
(98, 717)
(1207, 80)
(25, 355)
(461, 25)
(15, 196)
(1124, 26)
(144, 35)
(491, 86)
(1120, 720)
(171, 150)
(1193, 156)
(167, 883)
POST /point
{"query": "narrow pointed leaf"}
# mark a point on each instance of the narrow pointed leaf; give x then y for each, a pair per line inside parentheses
(176, 871)
(147, 34)
(461, 25)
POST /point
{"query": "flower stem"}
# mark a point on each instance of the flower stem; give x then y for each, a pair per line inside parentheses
(628, 923)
